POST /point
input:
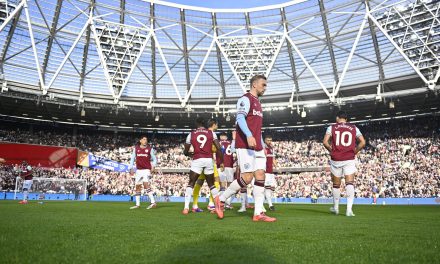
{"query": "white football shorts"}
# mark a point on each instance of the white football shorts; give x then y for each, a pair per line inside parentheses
(142, 176)
(250, 160)
(203, 164)
(27, 184)
(270, 180)
(227, 175)
(343, 168)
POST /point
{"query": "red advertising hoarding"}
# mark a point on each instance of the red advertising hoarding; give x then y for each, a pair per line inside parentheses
(37, 155)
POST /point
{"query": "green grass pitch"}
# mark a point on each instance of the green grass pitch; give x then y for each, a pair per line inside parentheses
(106, 232)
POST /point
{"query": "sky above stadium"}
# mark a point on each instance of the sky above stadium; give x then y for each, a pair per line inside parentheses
(228, 3)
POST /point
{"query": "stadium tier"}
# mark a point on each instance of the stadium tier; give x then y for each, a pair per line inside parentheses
(400, 160)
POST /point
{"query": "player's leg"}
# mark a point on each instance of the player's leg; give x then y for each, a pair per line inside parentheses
(243, 200)
(137, 196)
(139, 178)
(193, 176)
(211, 205)
(349, 172)
(246, 163)
(349, 189)
(25, 191)
(196, 192)
(148, 189)
(223, 186)
(229, 178)
(260, 177)
(28, 186)
(336, 172)
(268, 183)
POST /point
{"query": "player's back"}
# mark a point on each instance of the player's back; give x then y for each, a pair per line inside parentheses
(343, 141)
(202, 140)
(228, 158)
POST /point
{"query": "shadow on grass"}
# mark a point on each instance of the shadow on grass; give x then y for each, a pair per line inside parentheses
(314, 210)
(217, 250)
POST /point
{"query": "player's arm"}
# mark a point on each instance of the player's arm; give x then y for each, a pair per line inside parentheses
(133, 157)
(233, 141)
(187, 145)
(153, 159)
(361, 143)
(243, 106)
(219, 152)
(326, 140)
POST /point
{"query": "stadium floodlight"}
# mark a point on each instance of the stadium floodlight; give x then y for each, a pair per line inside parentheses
(303, 113)
(391, 105)
(413, 27)
(249, 55)
(157, 118)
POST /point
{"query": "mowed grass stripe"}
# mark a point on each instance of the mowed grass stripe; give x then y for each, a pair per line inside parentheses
(106, 232)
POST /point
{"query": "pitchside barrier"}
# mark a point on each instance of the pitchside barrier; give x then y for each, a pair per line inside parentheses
(128, 198)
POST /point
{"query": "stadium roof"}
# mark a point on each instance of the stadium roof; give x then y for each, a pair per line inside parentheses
(150, 58)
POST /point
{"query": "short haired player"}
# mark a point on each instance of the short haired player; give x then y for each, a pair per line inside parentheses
(340, 140)
(145, 157)
(26, 173)
(269, 183)
(201, 139)
(249, 148)
(213, 126)
(227, 175)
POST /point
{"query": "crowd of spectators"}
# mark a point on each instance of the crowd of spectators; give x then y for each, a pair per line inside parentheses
(401, 159)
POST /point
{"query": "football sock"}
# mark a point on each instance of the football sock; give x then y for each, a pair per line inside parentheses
(25, 195)
(231, 190)
(188, 194)
(243, 196)
(196, 194)
(228, 201)
(258, 196)
(138, 199)
(336, 197)
(350, 196)
(214, 191)
(211, 200)
(151, 196)
(268, 195)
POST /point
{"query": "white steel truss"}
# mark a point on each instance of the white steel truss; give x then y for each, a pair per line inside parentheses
(9, 16)
(120, 47)
(250, 55)
(413, 27)
(8, 10)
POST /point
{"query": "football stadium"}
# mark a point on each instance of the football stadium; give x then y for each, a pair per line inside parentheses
(186, 131)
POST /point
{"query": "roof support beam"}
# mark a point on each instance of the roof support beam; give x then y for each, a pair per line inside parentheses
(219, 57)
(376, 46)
(52, 33)
(85, 54)
(292, 61)
(328, 40)
(185, 49)
(248, 23)
(153, 54)
(15, 20)
(122, 15)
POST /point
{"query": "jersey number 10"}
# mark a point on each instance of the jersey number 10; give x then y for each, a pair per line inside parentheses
(345, 139)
